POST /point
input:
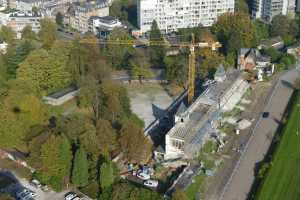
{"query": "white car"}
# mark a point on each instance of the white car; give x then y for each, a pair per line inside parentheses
(151, 183)
(70, 196)
(143, 176)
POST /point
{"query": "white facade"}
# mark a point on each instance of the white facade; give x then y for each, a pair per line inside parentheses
(171, 15)
(107, 23)
(267, 9)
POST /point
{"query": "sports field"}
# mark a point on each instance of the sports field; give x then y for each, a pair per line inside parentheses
(283, 179)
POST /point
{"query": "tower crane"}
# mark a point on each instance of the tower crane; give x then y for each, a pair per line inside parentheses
(192, 57)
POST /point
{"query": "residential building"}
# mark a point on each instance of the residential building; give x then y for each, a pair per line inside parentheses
(79, 14)
(27, 5)
(18, 20)
(172, 15)
(267, 9)
(103, 24)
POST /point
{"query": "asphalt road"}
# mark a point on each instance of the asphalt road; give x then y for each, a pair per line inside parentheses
(240, 182)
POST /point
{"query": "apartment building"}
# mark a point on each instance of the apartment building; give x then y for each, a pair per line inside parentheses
(172, 15)
(18, 20)
(79, 14)
(267, 9)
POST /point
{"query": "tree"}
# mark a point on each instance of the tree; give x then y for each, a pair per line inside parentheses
(47, 33)
(15, 55)
(237, 28)
(56, 158)
(46, 71)
(119, 56)
(106, 175)
(176, 70)
(59, 19)
(241, 6)
(139, 66)
(280, 25)
(106, 136)
(80, 172)
(134, 144)
(28, 34)
(261, 30)
(6, 197)
(7, 34)
(179, 195)
(19, 111)
(157, 53)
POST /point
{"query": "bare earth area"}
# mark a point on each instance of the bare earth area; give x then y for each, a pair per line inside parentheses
(148, 101)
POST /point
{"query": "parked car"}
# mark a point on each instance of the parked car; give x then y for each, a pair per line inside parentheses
(25, 192)
(35, 183)
(143, 176)
(70, 195)
(76, 198)
(151, 183)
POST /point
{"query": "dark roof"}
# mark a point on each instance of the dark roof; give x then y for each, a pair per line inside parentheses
(63, 92)
(181, 109)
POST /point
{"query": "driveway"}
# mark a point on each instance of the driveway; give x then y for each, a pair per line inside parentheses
(240, 182)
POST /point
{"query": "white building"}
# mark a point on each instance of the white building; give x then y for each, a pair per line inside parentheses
(194, 125)
(171, 15)
(27, 5)
(107, 23)
(18, 20)
(267, 9)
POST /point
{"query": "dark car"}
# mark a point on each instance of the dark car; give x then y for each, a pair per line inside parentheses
(265, 114)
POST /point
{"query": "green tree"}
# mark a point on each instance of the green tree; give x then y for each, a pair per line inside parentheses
(46, 71)
(7, 34)
(235, 30)
(119, 56)
(157, 53)
(241, 6)
(176, 70)
(56, 158)
(80, 172)
(15, 55)
(280, 25)
(28, 34)
(47, 33)
(106, 175)
(59, 19)
(19, 110)
(261, 30)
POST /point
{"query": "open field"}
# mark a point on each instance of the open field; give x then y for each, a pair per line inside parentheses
(283, 179)
(148, 101)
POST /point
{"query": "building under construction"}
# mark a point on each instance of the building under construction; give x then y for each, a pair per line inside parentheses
(193, 125)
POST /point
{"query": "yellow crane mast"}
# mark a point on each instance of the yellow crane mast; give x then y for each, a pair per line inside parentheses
(192, 57)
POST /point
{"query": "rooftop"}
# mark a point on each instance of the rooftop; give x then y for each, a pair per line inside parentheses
(203, 109)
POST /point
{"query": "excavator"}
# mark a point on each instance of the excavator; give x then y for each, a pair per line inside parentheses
(192, 57)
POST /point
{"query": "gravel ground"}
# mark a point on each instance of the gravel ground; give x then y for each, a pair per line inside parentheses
(148, 101)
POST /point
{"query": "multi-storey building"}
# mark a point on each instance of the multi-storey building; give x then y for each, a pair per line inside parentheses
(80, 13)
(18, 20)
(171, 15)
(267, 9)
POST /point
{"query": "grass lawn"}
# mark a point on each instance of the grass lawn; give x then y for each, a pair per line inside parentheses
(195, 187)
(283, 179)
